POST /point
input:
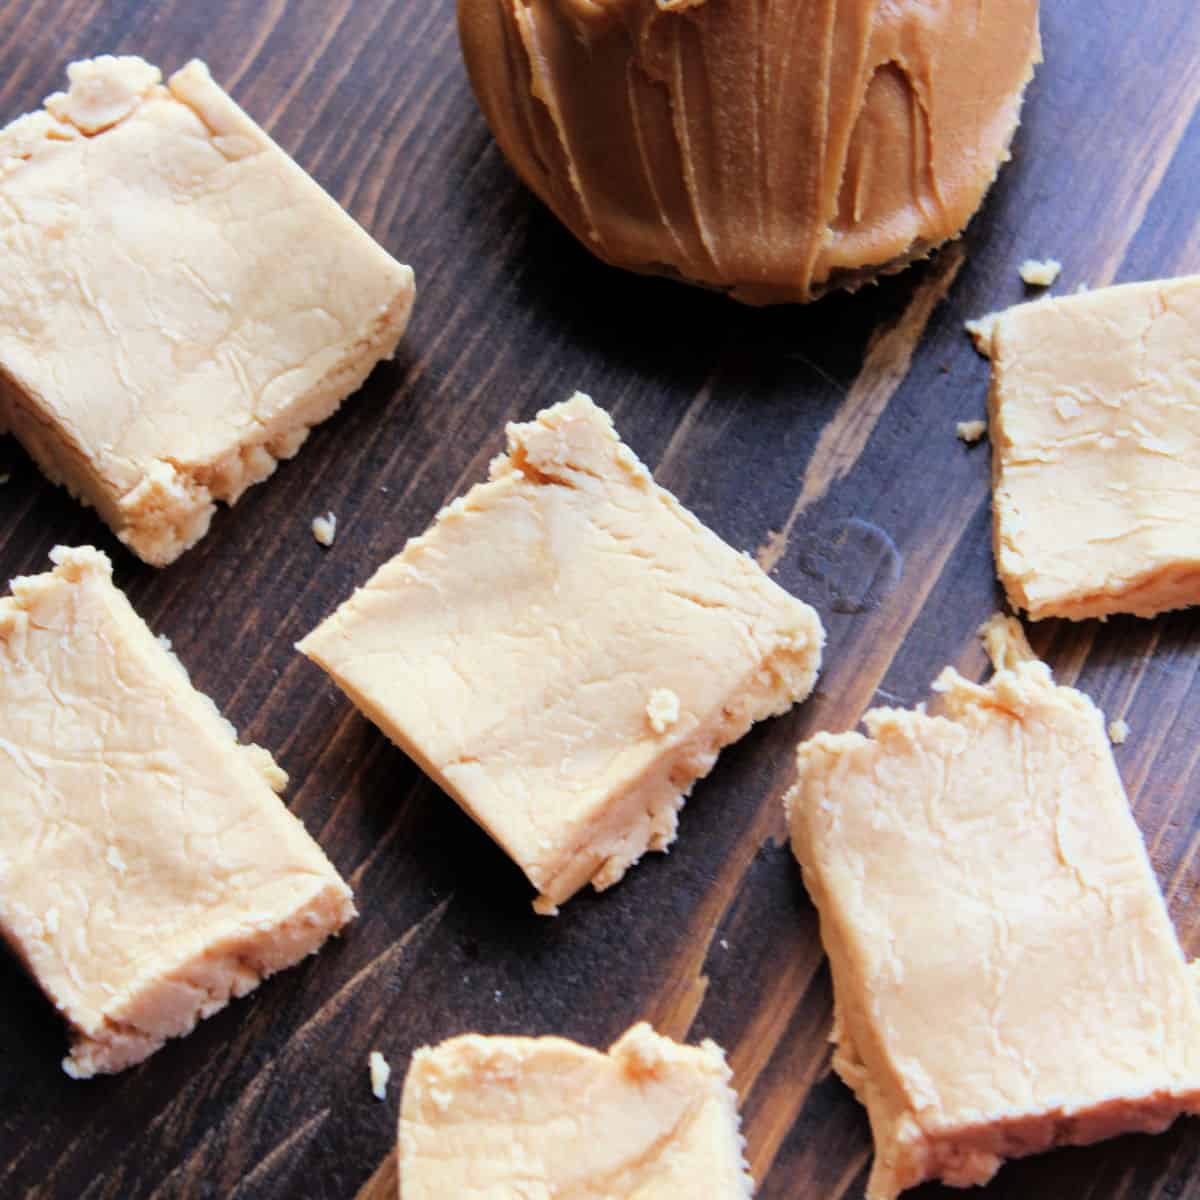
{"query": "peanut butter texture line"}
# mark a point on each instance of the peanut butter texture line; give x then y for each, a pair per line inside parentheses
(567, 650)
(181, 303)
(148, 871)
(771, 149)
(512, 1116)
(1006, 978)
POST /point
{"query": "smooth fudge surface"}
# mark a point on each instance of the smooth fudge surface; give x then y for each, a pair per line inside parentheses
(180, 303)
(566, 651)
(1006, 977)
(488, 1117)
(1095, 431)
(148, 870)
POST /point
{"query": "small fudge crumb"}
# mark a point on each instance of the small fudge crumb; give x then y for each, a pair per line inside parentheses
(381, 1072)
(971, 431)
(1004, 642)
(324, 529)
(1118, 731)
(662, 709)
(980, 330)
(1040, 273)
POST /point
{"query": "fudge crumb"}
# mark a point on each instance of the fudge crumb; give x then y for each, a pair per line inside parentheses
(381, 1072)
(971, 431)
(981, 330)
(1118, 731)
(1041, 273)
(264, 763)
(324, 529)
(1004, 642)
(662, 709)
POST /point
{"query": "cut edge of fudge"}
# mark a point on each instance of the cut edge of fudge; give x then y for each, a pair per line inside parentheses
(172, 506)
(197, 989)
(1147, 594)
(643, 1058)
(147, 1013)
(644, 816)
(905, 1154)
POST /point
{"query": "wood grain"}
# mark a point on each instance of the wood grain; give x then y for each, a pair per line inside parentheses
(820, 438)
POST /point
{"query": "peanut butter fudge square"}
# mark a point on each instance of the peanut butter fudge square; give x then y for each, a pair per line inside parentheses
(567, 650)
(519, 1116)
(180, 302)
(1095, 430)
(1005, 974)
(148, 871)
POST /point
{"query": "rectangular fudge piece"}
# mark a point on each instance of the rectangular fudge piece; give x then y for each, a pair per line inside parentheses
(148, 870)
(1006, 978)
(514, 1116)
(567, 650)
(180, 302)
(1095, 430)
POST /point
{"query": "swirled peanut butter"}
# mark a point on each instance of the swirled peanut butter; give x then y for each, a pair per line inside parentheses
(773, 149)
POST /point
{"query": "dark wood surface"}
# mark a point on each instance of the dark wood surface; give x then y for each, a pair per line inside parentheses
(820, 438)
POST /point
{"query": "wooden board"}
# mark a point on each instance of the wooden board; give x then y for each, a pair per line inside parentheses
(820, 438)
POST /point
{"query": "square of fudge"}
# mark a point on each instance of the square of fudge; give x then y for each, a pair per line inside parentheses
(519, 1116)
(180, 303)
(1095, 431)
(148, 870)
(566, 651)
(1006, 977)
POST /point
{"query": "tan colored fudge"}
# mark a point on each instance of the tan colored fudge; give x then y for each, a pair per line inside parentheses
(1006, 978)
(180, 302)
(148, 871)
(567, 650)
(486, 1117)
(1095, 431)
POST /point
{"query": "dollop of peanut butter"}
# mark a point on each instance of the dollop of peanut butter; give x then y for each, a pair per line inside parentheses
(772, 149)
